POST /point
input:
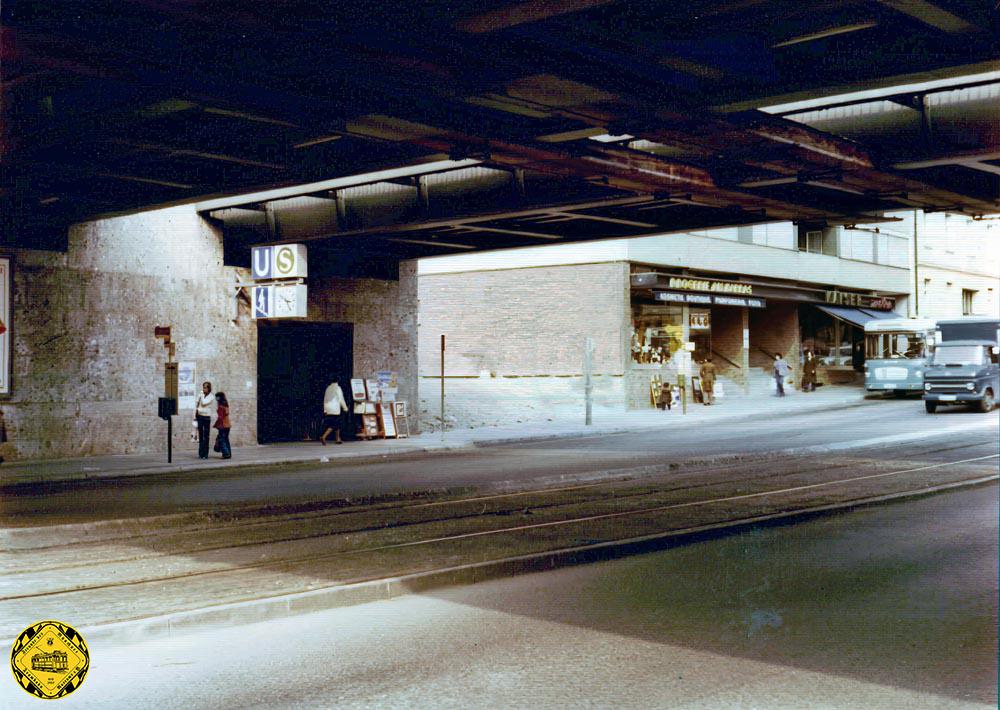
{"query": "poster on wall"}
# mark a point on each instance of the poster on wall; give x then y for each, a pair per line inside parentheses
(5, 284)
(187, 391)
(387, 385)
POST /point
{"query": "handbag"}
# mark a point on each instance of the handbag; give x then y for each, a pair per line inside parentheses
(218, 447)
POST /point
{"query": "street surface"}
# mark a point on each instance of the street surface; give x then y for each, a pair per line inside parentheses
(892, 606)
(517, 465)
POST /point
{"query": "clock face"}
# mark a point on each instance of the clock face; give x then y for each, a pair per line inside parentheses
(285, 302)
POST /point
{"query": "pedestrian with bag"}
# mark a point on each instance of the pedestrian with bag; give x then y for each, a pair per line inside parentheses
(203, 418)
(223, 425)
(781, 371)
(809, 372)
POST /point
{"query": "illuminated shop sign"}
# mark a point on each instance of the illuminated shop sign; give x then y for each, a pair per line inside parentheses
(704, 299)
(858, 300)
(685, 284)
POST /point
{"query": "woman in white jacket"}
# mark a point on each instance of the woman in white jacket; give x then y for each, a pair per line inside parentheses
(333, 408)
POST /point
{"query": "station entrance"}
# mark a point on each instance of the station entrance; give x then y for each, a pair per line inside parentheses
(295, 363)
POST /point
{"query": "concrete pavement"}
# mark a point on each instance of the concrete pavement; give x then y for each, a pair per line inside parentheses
(185, 461)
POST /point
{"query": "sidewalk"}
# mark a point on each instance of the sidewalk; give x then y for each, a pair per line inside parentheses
(604, 422)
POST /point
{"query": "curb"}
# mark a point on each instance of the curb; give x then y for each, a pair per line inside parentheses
(15, 479)
(270, 608)
(827, 407)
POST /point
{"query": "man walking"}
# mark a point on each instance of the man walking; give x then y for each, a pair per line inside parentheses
(809, 372)
(707, 374)
(781, 371)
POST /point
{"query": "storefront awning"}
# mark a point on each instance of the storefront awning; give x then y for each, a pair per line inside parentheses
(856, 316)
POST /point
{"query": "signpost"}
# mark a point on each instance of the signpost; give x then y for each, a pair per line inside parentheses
(279, 290)
(167, 404)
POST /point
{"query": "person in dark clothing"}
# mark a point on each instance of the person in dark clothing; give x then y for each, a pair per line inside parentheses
(223, 425)
(203, 418)
(809, 372)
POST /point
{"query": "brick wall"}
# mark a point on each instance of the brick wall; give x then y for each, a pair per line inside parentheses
(727, 341)
(524, 321)
(775, 329)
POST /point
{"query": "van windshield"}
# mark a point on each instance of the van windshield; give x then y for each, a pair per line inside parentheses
(958, 355)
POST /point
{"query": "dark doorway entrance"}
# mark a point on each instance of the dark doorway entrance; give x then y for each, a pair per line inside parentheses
(295, 363)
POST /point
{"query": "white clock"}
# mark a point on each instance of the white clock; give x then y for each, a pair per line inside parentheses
(290, 301)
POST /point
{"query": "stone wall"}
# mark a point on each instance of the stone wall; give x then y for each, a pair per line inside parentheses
(87, 371)
(384, 315)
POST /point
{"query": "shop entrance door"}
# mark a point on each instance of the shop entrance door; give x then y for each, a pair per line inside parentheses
(295, 363)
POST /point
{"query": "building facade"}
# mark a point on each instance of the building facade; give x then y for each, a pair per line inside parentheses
(516, 321)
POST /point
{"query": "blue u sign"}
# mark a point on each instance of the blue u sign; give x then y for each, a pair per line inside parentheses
(262, 262)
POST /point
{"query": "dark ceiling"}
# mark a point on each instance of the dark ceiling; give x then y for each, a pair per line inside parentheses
(116, 106)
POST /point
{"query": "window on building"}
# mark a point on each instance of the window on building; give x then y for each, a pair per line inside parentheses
(818, 241)
(968, 296)
(657, 334)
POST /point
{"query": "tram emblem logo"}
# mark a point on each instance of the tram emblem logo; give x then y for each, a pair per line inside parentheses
(50, 659)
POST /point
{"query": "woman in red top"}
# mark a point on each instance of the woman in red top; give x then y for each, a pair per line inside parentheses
(223, 425)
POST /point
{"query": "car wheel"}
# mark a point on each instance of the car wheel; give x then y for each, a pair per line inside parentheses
(931, 407)
(986, 403)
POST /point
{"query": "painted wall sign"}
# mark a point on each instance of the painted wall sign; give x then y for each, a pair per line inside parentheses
(5, 286)
(284, 261)
(704, 299)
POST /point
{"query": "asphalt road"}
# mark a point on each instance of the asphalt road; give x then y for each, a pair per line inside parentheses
(511, 464)
(892, 606)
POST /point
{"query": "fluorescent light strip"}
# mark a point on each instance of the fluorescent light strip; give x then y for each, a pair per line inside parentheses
(938, 84)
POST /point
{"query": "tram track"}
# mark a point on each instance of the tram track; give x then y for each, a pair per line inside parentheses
(541, 528)
(660, 477)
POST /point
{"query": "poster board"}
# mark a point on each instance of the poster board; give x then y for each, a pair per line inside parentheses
(187, 390)
(388, 421)
(402, 420)
(5, 336)
(369, 426)
(358, 390)
(388, 385)
(371, 386)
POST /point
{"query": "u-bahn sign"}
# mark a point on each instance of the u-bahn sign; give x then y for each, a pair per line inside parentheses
(284, 261)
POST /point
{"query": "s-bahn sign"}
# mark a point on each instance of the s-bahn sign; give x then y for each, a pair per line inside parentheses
(284, 261)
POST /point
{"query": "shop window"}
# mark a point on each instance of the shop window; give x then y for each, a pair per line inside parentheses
(657, 335)
(968, 297)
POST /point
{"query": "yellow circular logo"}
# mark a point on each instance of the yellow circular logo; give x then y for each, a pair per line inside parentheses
(50, 659)
(285, 261)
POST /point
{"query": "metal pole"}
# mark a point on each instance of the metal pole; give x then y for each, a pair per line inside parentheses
(170, 439)
(442, 387)
(745, 352)
(916, 264)
(588, 384)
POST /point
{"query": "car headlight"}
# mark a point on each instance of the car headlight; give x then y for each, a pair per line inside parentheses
(918, 373)
(927, 386)
(970, 386)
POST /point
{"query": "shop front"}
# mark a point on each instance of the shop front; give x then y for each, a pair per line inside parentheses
(680, 320)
